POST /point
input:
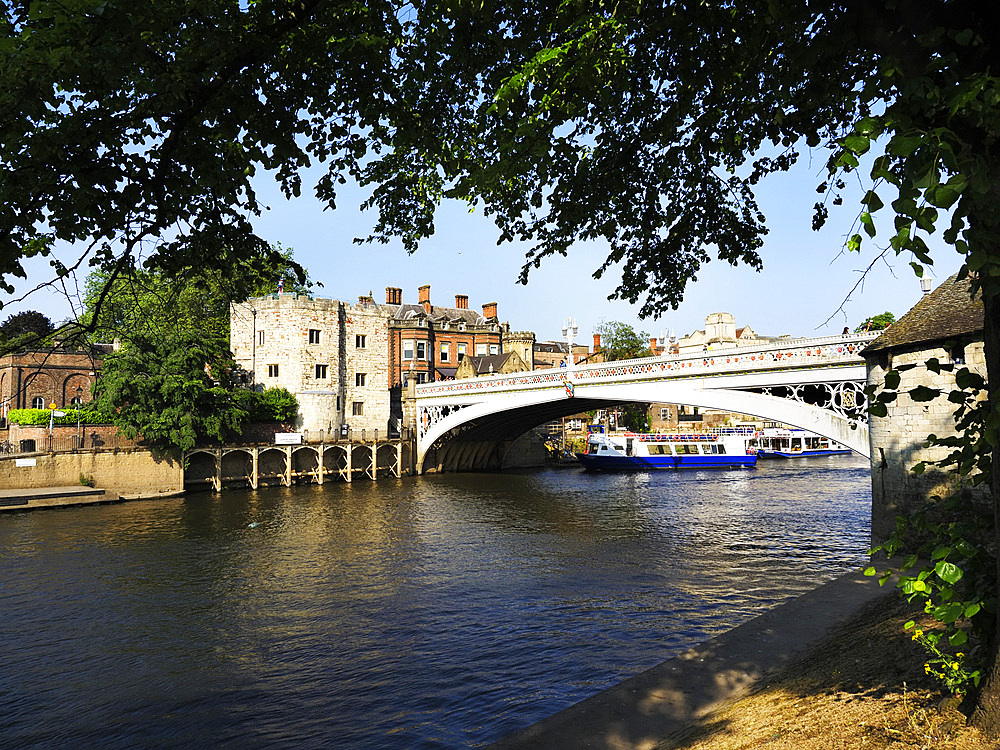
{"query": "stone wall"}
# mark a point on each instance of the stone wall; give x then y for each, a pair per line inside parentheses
(126, 473)
(333, 356)
(898, 439)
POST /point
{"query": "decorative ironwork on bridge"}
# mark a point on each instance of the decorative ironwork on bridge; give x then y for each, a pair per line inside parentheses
(793, 369)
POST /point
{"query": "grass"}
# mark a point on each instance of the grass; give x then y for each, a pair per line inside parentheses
(861, 688)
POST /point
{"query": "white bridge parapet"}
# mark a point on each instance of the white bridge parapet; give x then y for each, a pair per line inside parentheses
(793, 354)
(831, 362)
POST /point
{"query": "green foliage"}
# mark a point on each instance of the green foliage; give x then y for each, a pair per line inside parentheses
(269, 405)
(87, 480)
(955, 536)
(957, 584)
(137, 301)
(161, 390)
(621, 341)
(29, 322)
(88, 414)
(877, 322)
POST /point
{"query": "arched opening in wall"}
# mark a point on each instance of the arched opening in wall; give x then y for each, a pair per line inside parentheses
(237, 467)
(199, 471)
(76, 389)
(305, 464)
(271, 466)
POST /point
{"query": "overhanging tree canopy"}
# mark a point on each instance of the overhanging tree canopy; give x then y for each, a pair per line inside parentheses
(643, 124)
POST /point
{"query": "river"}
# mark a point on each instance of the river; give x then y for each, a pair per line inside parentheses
(429, 612)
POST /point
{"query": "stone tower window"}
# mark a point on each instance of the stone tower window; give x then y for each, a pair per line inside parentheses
(313, 336)
(272, 371)
(321, 372)
(359, 379)
(360, 341)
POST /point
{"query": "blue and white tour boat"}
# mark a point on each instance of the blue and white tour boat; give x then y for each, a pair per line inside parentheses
(777, 442)
(725, 449)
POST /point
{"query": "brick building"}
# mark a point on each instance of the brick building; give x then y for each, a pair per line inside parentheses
(428, 342)
(945, 324)
(39, 378)
(330, 354)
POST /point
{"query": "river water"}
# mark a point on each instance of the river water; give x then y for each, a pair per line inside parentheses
(432, 612)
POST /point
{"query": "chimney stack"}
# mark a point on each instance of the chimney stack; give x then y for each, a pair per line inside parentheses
(597, 342)
(393, 295)
(490, 310)
(652, 344)
(425, 297)
(462, 301)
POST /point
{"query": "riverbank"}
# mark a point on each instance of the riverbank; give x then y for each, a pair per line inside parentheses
(831, 669)
(863, 686)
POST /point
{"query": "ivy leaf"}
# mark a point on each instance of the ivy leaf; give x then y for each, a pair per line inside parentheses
(948, 572)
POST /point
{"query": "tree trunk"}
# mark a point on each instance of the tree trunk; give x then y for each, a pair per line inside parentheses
(986, 715)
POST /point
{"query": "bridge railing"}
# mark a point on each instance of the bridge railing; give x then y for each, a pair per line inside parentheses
(788, 354)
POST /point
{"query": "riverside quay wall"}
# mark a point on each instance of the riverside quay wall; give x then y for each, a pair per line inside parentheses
(125, 473)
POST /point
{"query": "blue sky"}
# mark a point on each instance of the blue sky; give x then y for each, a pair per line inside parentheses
(806, 275)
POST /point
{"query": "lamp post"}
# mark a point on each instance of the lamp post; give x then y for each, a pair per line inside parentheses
(569, 332)
(79, 403)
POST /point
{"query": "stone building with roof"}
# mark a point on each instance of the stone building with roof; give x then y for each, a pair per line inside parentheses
(491, 364)
(945, 324)
(347, 363)
(331, 355)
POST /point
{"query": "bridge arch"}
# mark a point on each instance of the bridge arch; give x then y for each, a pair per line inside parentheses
(476, 435)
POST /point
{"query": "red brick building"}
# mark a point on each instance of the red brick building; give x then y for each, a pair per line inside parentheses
(37, 379)
(426, 342)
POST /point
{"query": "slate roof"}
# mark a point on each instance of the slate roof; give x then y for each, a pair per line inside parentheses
(945, 313)
(489, 363)
(406, 312)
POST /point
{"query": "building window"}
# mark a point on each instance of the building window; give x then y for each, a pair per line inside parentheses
(260, 338)
(38, 402)
(407, 348)
(358, 408)
(957, 354)
(313, 336)
(480, 350)
(665, 415)
(360, 341)
(461, 352)
(321, 372)
(445, 352)
(359, 379)
(272, 371)
(421, 350)
(494, 348)
(421, 377)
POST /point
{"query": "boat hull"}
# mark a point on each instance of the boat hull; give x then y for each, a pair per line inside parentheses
(644, 463)
(762, 453)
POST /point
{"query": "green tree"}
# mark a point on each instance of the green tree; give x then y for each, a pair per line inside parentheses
(621, 341)
(877, 322)
(152, 302)
(171, 390)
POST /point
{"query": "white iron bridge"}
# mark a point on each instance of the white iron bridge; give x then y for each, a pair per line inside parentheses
(813, 383)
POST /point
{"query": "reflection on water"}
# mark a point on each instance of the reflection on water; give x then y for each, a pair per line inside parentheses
(434, 612)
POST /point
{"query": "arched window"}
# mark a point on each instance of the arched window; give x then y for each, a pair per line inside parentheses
(38, 402)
